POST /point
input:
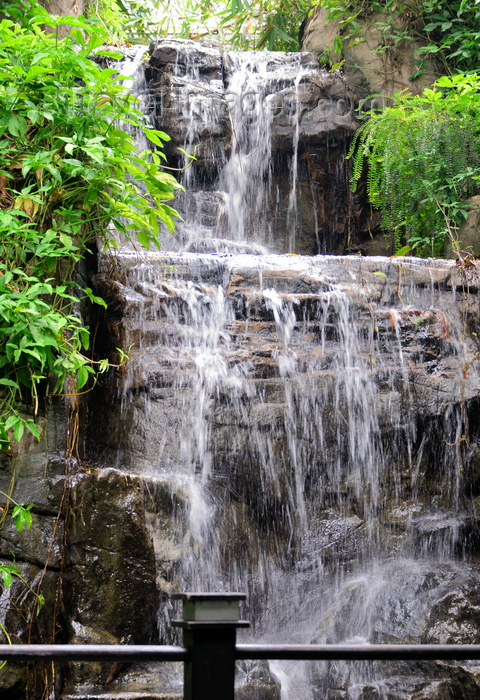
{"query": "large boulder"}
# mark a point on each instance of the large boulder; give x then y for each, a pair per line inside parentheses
(64, 7)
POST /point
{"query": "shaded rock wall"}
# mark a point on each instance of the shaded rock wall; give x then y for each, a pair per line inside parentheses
(38, 474)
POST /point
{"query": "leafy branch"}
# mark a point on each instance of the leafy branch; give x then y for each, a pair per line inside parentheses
(68, 175)
(242, 24)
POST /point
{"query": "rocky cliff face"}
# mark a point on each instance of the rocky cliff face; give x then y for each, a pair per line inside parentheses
(315, 422)
(38, 474)
(302, 428)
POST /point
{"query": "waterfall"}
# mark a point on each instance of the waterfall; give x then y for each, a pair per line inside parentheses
(313, 415)
(247, 119)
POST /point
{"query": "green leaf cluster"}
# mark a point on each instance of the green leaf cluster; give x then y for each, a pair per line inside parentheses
(450, 31)
(453, 30)
(242, 24)
(22, 518)
(68, 174)
(7, 572)
(422, 158)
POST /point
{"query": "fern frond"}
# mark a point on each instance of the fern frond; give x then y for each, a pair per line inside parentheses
(422, 159)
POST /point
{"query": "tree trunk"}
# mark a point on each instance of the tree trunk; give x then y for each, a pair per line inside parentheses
(64, 7)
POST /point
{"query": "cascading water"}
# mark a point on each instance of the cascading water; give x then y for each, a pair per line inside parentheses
(316, 417)
(260, 87)
(244, 117)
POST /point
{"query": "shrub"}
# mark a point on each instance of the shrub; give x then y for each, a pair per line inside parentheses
(423, 162)
(67, 178)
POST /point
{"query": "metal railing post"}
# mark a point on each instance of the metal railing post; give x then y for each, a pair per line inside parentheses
(210, 622)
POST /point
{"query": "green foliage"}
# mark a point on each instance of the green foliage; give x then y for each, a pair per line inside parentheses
(110, 15)
(268, 24)
(7, 572)
(423, 161)
(22, 518)
(243, 24)
(449, 30)
(67, 178)
(454, 33)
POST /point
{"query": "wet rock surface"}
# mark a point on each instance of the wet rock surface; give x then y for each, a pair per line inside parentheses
(408, 599)
(255, 682)
(35, 473)
(290, 426)
(129, 531)
(246, 367)
(270, 129)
